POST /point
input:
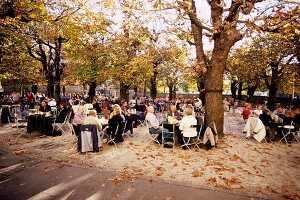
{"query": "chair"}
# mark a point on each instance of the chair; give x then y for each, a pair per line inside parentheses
(151, 137)
(116, 136)
(19, 124)
(89, 139)
(291, 132)
(60, 126)
(168, 135)
(125, 133)
(188, 140)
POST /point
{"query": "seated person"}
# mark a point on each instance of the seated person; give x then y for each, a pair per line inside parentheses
(45, 107)
(288, 119)
(96, 106)
(297, 117)
(152, 120)
(140, 107)
(116, 117)
(78, 120)
(92, 119)
(174, 113)
(258, 111)
(62, 114)
(279, 112)
(185, 124)
(266, 119)
(127, 117)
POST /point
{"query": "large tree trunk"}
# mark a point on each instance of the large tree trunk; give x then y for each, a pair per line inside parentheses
(240, 98)
(214, 111)
(250, 92)
(171, 92)
(272, 97)
(153, 86)
(50, 87)
(124, 95)
(145, 89)
(92, 90)
(233, 88)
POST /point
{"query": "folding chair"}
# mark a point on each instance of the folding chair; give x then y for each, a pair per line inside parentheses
(89, 139)
(117, 135)
(291, 131)
(142, 124)
(151, 137)
(60, 126)
(20, 124)
(188, 140)
(168, 135)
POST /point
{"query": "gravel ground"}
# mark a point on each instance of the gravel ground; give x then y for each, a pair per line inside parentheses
(236, 164)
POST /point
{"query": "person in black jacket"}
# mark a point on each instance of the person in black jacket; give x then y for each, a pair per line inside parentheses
(266, 119)
(62, 114)
(115, 119)
(45, 107)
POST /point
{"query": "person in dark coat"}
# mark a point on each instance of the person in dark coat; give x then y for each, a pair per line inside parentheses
(115, 119)
(45, 107)
(62, 114)
(266, 119)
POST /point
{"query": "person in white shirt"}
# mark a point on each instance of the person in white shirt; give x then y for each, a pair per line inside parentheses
(187, 121)
(152, 121)
(257, 111)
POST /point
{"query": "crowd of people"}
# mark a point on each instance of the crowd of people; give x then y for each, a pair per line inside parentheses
(113, 110)
(275, 121)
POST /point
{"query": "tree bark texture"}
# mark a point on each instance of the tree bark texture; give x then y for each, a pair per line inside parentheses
(153, 86)
(92, 90)
(124, 95)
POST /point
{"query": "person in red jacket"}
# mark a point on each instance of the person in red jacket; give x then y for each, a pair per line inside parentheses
(246, 112)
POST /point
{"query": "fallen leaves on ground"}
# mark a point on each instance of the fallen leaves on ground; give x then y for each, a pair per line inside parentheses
(197, 173)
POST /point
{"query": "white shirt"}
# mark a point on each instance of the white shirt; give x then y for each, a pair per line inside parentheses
(257, 113)
(152, 120)
(185, 126)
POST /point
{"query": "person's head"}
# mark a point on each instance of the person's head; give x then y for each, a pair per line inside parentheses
(173, 108)
(266, 111)
(124, 103)
(258, 106)
(117, 109)
(279, 109)
(188, 111)
(93, 113)
(248, 105)
(44, 103)
(62, 105)
(150, 109)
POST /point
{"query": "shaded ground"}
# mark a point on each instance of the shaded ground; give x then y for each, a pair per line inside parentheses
(236, 164)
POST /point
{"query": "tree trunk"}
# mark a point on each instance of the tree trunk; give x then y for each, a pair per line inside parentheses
(233, 89)
(240, 98)
(272, 97)
(124, 95)
(201, 89)
(64, 90)
(153, 86)
(50, 87)
(135, 92)
(250, 92)
(92, 90)
(174, 92)
(214, 111)
(145, 89)
(170, 92)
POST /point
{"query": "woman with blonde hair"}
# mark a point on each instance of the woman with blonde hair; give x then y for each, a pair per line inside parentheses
(116, 118)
